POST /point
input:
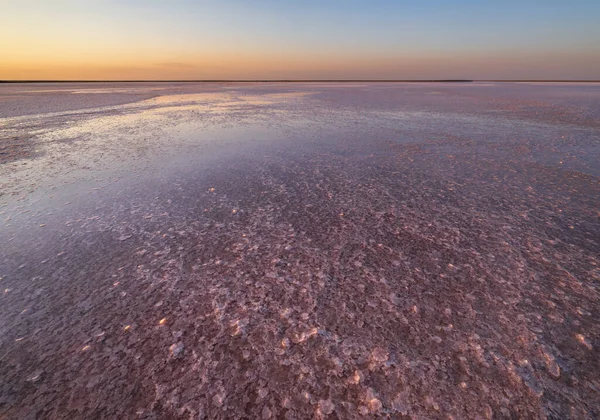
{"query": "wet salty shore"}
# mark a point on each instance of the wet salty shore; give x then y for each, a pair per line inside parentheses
(300, 251)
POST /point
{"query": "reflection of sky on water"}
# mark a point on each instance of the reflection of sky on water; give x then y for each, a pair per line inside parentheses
(148, 133)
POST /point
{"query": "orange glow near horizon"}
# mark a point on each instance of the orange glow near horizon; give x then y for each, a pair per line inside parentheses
(287, 67)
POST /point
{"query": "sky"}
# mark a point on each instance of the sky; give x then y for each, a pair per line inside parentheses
(302, 39)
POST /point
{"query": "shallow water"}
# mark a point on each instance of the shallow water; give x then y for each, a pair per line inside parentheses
(300, 250)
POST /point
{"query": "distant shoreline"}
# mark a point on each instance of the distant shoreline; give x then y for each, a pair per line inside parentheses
(298, 81)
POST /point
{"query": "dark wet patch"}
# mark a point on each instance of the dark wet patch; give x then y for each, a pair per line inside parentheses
(15, 148)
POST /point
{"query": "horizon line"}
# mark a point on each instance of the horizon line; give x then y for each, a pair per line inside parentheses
(300, 81)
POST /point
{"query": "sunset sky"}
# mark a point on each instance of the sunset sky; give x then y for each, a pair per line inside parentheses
(303, 39)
